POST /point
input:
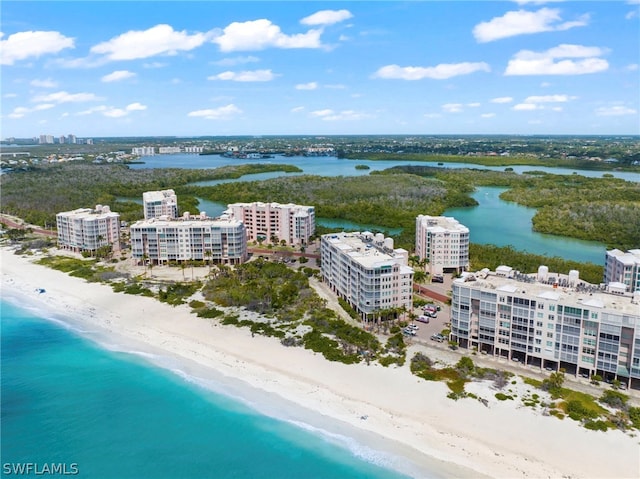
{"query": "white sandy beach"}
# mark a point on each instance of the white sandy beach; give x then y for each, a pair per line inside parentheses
(452, 438)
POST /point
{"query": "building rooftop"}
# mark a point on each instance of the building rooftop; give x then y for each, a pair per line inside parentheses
(370, 250)
(190, 220)
(442, 224)
(98, 211)
(157, 195)
(555, 287)
(630, 257)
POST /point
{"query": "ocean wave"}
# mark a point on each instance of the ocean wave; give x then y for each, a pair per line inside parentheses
(358, 449)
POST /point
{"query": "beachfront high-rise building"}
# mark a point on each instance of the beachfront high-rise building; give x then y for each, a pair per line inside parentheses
(160, 203)
(87, 229)
(222, 240)
(443, 242)
(294, 224)
(623, 267)
(143, 151)
(548, 320)
(365, 270)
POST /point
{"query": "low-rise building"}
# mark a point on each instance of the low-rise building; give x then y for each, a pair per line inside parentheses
(160, 203)
(161, 240)
(294, 224)
(365, 270)
(87, 229)
(623, 268)
(443, 242)
(548, 320)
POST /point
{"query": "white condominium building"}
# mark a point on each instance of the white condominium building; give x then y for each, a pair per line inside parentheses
(294, 224)
(221, 240)
(87, 229)
(143, 151)
(160, 203)
(366, 271)
(443, 242)
(549, 320)
(623, 268)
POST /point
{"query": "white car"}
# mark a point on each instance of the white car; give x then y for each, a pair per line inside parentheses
(415, 327)
(409, 331)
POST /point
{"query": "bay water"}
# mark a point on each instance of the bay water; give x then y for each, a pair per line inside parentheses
(114, 414)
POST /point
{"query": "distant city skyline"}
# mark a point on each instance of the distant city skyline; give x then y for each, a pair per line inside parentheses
(168, 68)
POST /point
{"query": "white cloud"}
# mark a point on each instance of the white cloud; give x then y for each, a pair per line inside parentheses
(48, 83)
(473, 105)
(549, 99)
(245, 76)
(336, 86)
(221, 113)
(536, 2)
(344, 115)
(537, 102)
(327, 17)
(64, 97)
(155, 65)
(10, 95)
(22, 111)
(452, 107)
(432, 115)
(321, 113)
(229, 62)
(19, 112)
(297, 109)
(633, 67)
(502, 99)
(159, 40)
(95, 109)
(615, 111)
(526, 107)
(261, 34)
(136, 107)
(113, 112)
(439, 72)
(558, 61)
(523, 22)
(22, 45)
(487, 115)
(307, 86)
(117, 76)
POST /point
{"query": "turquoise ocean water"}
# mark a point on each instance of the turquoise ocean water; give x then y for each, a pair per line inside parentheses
(115, 415)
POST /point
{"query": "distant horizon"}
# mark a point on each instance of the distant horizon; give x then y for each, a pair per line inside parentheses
(319, 136)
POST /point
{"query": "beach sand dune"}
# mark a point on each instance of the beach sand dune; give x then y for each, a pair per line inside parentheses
(413, 418)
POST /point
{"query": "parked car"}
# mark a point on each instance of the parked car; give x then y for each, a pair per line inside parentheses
(423, 319)
(437, 337)
(437, 279)
(409, 331)
(415, 327)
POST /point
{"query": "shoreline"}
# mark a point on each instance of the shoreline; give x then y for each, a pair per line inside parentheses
(406, 416)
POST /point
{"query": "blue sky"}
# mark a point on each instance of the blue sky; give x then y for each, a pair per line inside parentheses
(99, 69)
